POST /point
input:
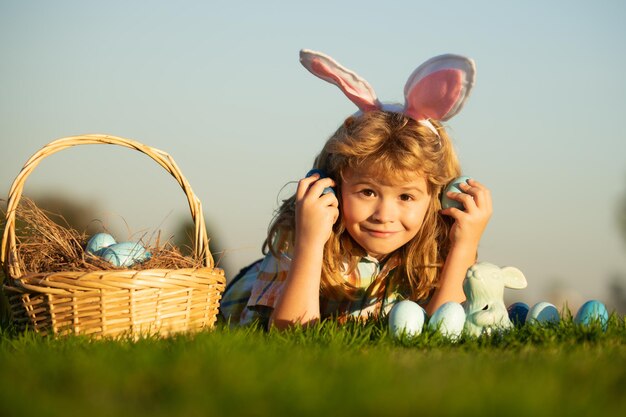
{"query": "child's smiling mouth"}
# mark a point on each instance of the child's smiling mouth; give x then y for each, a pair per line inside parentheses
(379, 233)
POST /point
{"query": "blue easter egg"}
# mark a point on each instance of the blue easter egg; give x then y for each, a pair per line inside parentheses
(518, 313)
(592, 311)
(98, 242)
(543, 312)
(449, 320)
(125, 254)
(446, 201)
(406, 317)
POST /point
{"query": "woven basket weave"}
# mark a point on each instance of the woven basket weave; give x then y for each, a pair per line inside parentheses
(112, 302)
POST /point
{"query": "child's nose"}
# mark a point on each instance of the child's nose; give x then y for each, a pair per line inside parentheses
(385, 211)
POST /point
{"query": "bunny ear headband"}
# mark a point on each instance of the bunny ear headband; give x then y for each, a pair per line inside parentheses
(436, 90)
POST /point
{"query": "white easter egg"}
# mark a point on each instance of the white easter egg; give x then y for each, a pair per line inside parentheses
(543, 312)
(449, 320)
(406, 317)
(125, 254)
(98, 242)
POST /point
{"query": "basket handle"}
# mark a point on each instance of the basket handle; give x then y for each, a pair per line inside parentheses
(8, 251)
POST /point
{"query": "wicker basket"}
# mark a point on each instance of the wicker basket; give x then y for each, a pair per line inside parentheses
(112, 302)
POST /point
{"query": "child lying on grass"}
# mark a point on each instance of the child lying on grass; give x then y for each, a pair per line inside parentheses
(367, 228)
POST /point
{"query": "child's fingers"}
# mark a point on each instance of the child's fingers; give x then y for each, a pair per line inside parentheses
(334, 210)
(313, 185)
(468, 200)
(453, 212)
(304, 184)
(464, 198)
(481, 195)
(318, 187)
(476, 199)
(329, 200)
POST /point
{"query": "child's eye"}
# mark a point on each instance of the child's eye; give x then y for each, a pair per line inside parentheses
(367, 192)
(406, 197)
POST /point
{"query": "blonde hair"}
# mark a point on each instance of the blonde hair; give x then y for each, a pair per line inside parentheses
(394, 147)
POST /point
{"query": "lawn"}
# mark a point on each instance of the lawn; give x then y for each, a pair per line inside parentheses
(325, 370)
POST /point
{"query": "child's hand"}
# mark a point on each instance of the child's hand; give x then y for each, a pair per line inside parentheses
(315, 212)
(470, 223)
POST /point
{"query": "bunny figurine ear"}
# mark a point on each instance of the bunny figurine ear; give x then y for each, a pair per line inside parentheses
(353, 86)
(438, 88)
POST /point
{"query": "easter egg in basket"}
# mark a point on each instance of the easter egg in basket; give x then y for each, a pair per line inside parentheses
(98, 242)
(125, 254)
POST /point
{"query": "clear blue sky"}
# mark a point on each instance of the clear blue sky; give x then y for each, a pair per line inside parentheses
(218, 85)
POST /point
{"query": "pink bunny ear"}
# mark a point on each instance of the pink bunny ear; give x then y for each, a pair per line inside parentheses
(438, 88)
(354, 87)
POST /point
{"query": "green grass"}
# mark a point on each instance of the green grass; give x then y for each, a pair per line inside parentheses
(325, 370)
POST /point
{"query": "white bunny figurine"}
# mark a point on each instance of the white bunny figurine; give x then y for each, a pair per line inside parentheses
(484, 289)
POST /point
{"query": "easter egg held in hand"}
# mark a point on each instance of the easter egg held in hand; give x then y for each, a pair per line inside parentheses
(98, 242)
(125, 254)
(592, 311)
(406, 317)
(447, 202)
(449, 320)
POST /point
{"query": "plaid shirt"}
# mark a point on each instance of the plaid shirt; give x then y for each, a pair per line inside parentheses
(253, 293)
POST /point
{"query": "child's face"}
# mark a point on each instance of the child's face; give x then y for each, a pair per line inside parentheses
(382, 216)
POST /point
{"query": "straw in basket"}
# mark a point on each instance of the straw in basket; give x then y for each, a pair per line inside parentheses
(112, 302)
